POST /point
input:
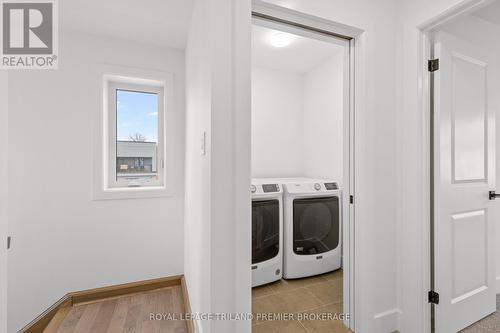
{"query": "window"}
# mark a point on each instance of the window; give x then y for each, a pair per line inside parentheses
(135, 135)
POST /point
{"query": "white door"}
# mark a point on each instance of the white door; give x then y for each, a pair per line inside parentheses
(464, 133)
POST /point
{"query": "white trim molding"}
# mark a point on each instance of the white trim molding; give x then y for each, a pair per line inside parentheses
(353, 39)
(4, 206)
(100, 165)
(387, 321)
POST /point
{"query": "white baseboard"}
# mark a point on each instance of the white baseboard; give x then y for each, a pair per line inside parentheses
(197, 326)
(497, 286)
(387, 321)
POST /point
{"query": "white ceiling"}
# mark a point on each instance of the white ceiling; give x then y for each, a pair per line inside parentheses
(157, 22)
(302, 55)
(490, 13)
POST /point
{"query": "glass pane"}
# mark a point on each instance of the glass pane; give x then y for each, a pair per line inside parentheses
(136, 135)
(265, 230)
(316, 225)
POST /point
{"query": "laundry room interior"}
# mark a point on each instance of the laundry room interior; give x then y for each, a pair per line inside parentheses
(299, 100)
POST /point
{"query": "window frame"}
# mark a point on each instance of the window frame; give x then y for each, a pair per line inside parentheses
(133, 85)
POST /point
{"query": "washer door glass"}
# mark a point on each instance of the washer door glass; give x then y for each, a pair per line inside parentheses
(265, 230)
(315, 225)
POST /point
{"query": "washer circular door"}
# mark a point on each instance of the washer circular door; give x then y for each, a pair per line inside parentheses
(265, 230)
(316, 225)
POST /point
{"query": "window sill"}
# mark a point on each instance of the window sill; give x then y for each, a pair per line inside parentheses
(119, 193)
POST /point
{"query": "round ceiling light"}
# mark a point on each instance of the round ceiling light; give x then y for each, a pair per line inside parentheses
(280, 39)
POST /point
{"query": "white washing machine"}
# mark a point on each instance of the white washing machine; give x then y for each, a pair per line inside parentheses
(312, 227)
(267, 232)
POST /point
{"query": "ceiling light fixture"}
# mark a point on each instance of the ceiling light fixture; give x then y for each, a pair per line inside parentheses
(280, 39)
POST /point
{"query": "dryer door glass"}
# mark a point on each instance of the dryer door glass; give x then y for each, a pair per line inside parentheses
(316, 226)
(265, 230)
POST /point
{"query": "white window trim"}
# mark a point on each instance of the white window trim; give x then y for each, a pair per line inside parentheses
(101, 147)
(113, 87)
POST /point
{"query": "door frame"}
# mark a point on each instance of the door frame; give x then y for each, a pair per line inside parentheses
(353, 108)
(4, 180)
(426, 31)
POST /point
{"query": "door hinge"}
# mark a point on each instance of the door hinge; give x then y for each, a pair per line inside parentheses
(433, 297)
(433, 65)
(351, 199)
(8, 242)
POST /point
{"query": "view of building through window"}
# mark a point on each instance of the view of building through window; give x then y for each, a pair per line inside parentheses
(136, 134)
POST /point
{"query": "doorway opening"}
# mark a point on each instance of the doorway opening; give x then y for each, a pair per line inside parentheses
(463, 74)
(302, 176)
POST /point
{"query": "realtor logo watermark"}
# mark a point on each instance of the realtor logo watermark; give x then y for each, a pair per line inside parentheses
(29, 34)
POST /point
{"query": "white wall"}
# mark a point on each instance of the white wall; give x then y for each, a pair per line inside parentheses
(376, 168)
(322, 120)
(197, 237)
(217, 224)
(63, 240)
(297, 121)
(3, 198)
(277, 127)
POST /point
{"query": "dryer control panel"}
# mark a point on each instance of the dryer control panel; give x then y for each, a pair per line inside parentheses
(312, 187)
(331, 186)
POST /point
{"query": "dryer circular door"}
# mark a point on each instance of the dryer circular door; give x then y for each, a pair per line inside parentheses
(316, 225)
(265, 230)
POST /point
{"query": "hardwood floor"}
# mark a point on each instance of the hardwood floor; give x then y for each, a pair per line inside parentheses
(305, 299)
(130, 313)
(317, 295)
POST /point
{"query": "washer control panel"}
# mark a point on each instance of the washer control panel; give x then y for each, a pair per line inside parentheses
(265, 188)
(270, 188)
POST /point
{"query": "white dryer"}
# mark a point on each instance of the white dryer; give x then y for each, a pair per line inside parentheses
(312, 227)
(267, 232)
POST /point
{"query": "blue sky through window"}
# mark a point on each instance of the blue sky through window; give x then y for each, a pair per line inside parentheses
(136, 112)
